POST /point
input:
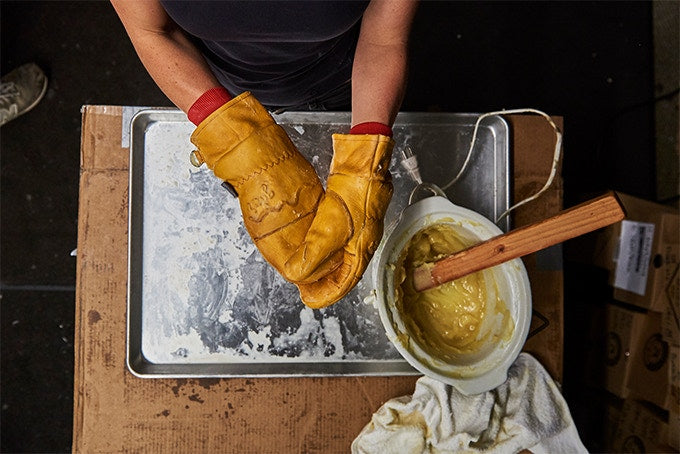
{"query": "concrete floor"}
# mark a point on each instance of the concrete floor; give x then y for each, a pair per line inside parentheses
(590, 62)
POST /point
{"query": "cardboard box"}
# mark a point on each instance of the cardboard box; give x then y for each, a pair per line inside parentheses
(674, 430)
(642, 254)
(641, 429)
(649, 371)
(613, 421)
(531, 168)
(613, 415)
(623, 331)
(646, 268)
(115, 411)
(674, 380)
(670, 321)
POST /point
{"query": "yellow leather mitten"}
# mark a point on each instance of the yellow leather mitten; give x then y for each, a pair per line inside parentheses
(277, 188)
(348, 224)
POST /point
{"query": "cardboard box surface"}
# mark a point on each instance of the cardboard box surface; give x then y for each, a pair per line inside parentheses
(674, 430)
(623, 331)
(674, 380)
(531, 168)
(650, 363)
(642, 254)
(641, 429)
(114, 411)
(671, 310)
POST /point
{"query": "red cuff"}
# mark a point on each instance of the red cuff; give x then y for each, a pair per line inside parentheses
(371, 127)
(208, 103)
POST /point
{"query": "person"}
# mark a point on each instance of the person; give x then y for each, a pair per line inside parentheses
(227, 64)
(21, 90)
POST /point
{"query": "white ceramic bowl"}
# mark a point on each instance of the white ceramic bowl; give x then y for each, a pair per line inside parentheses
(488, 368)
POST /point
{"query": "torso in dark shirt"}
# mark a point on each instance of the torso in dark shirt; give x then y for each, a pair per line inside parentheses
(286, 52)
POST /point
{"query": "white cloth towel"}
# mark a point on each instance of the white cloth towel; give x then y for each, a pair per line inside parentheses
(526, 412)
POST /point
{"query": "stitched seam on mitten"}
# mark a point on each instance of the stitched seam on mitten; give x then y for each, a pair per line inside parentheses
(384, 179)
(282, 158)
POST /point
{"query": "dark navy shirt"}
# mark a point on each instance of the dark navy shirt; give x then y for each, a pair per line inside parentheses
(287, 53)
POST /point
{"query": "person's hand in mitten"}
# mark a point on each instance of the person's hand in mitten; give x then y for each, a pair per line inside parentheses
(277, 188)
(348, 224)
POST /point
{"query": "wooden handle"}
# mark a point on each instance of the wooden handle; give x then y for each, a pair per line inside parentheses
(581, 219)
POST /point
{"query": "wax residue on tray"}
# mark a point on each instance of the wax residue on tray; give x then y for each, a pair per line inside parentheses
(209, 296)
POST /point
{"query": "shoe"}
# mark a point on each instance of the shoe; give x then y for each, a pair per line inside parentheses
(20, 91)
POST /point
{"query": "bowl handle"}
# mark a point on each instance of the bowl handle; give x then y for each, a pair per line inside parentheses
(433, 189)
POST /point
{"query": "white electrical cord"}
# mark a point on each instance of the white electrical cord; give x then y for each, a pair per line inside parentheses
(555, 162)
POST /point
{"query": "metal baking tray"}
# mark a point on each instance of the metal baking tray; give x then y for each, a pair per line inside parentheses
(202, 302)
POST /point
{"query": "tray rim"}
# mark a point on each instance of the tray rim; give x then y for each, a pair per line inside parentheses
(141, 367)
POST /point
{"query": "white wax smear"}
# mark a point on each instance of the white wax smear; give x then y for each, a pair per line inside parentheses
(209, 296)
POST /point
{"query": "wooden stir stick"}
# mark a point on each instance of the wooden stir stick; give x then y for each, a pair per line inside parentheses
(579, 220)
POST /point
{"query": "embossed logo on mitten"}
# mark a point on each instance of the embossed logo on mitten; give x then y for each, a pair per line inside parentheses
(267, 201)
(258, 206)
